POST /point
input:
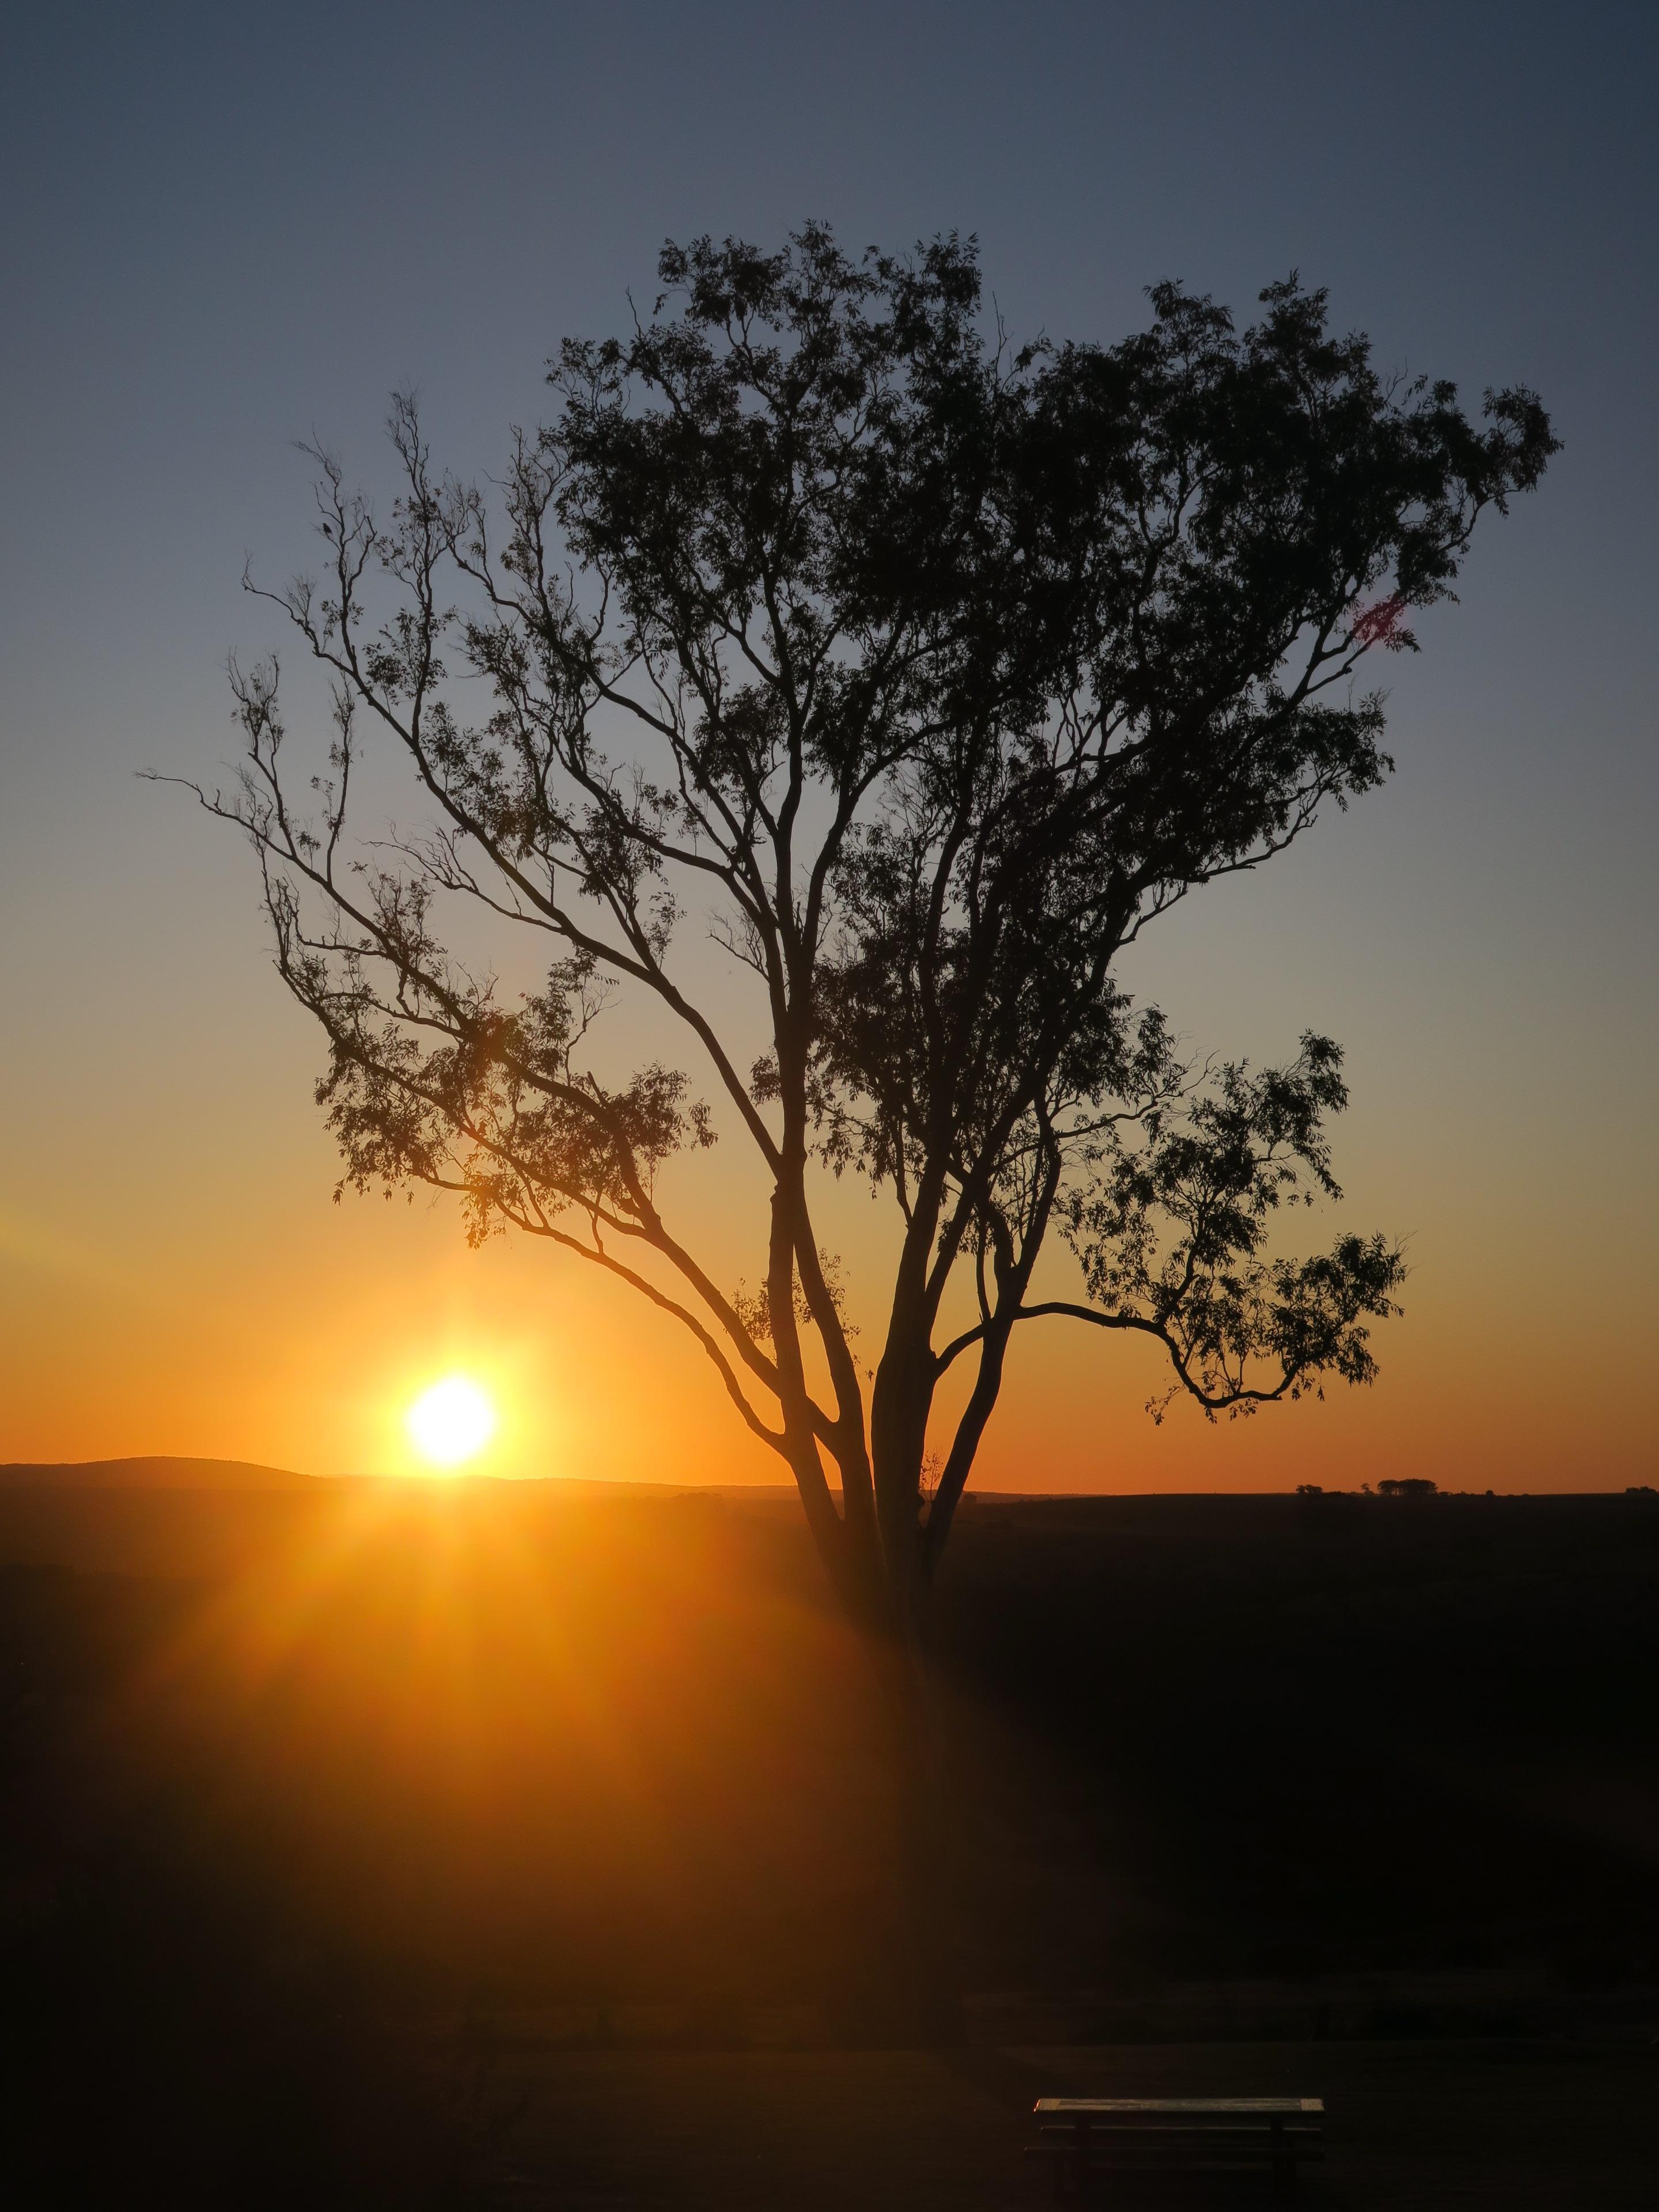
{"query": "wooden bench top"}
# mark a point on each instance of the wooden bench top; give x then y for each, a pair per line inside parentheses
(1081, 2107)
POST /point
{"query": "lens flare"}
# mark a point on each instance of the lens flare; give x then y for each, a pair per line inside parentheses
(451, 1422)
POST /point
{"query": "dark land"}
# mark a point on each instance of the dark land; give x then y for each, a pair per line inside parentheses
(484, 1844)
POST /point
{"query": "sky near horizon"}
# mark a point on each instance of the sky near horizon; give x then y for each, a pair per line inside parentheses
(233, 228)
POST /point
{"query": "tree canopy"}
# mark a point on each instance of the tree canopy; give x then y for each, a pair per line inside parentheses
(924, 672)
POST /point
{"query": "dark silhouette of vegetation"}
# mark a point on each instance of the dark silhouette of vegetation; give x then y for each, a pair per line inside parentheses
(925, 671)
(267, 1838)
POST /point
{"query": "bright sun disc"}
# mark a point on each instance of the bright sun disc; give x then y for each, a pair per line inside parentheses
(452, 1421)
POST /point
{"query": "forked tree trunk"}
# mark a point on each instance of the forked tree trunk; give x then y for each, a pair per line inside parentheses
(882, 1571)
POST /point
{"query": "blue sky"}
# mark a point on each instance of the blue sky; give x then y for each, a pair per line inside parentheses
(229, 228)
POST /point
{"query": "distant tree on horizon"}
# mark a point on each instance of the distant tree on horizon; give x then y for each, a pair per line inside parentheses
(924, 673)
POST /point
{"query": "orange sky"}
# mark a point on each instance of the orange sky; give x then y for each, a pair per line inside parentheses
(1482, 935)
(176, 1278)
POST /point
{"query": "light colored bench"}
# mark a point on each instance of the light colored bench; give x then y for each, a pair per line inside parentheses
(1083, 2136)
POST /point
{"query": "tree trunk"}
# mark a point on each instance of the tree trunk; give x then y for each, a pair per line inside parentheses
(930, 1995)
(883, 1572)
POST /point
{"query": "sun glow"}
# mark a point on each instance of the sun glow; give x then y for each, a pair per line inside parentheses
(451, 1422)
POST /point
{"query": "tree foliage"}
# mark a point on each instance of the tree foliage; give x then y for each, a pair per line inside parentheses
(924, 673)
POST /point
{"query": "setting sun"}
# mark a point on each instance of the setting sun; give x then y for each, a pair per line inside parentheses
(451, 1422)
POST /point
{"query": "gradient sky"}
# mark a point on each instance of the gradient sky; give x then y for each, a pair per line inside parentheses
(230, 228)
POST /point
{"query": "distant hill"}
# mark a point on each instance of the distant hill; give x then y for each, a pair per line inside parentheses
(158, 1474)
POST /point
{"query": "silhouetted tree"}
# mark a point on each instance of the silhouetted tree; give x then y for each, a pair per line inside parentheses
(925, 673)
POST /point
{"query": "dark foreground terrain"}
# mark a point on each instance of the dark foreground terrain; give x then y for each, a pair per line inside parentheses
(500, 1846)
